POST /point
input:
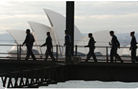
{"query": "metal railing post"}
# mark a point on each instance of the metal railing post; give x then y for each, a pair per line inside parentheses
(57, 52)
(20, 49)
(107, 54)
(76, 50)
(17, 52)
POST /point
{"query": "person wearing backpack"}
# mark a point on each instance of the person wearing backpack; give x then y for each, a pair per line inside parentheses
(91, 45)
(29, 40)
(114, 47)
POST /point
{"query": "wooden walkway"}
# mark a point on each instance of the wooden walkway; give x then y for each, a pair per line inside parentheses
(21, 73)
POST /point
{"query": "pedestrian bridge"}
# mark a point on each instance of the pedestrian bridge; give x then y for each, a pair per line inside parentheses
(16, 72)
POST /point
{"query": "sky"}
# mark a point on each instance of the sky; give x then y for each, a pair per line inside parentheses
(90, 16)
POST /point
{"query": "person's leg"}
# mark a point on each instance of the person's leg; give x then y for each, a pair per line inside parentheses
(33, 56)
(88, 56)
(111, 55)
(133, 55)
(51, 55)
(67, 51)
(46, 55)
(68, 55)
(93, 55)
(117, 56)
(31, 52)
(28, 53)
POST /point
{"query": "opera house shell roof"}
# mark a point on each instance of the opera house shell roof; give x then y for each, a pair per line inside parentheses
(58, 24)
(57, 29)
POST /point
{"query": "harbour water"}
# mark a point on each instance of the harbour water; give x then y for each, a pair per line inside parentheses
(88, 84)
(93, 84)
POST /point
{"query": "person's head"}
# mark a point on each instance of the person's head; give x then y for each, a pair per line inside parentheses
(66, 32)
(132, 33)
(27, 31)
(111, 33)
(48, 33)
(90, 35)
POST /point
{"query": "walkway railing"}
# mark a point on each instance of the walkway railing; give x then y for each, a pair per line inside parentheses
(18, 52)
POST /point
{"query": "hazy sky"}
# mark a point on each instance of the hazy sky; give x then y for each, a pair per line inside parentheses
(90, 16)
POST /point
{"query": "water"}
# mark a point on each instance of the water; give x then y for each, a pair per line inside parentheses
(92, 84)
(88, 84)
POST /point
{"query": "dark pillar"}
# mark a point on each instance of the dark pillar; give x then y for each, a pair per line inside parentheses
(70, 22)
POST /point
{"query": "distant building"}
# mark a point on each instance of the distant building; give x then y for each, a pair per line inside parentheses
(57, 28)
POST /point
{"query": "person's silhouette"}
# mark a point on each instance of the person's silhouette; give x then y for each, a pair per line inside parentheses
(114, 46)
(133, 47)
(49, 51)
(29, 40)
(91, 45)
(68, 47)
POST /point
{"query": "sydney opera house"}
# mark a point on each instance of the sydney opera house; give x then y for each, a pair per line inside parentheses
(57, 28)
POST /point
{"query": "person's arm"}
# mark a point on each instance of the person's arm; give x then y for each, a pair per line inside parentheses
(93, 41)
(135, 41)
(86, 46)
(118, 44)
(44, 43)
(66, 40)
(25, 41)
(51, 44)
(89, 43)
(130, 48)
(110, 43)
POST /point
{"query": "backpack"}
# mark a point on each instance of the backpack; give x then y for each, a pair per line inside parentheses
(32, 38)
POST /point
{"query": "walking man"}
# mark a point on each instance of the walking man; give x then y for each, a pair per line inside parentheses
(68, 47)
(91, 45)
(114, 46)
(29, 40)
(133, 47)
(49, 51)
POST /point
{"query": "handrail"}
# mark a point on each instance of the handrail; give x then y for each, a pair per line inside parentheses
(19, 53)
(60, 45)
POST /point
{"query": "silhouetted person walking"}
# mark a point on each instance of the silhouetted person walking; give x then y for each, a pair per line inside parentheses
(49, 51)
(91, 45)
(68, 47)
(29, 40)
(133, 47)
(114, 46)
